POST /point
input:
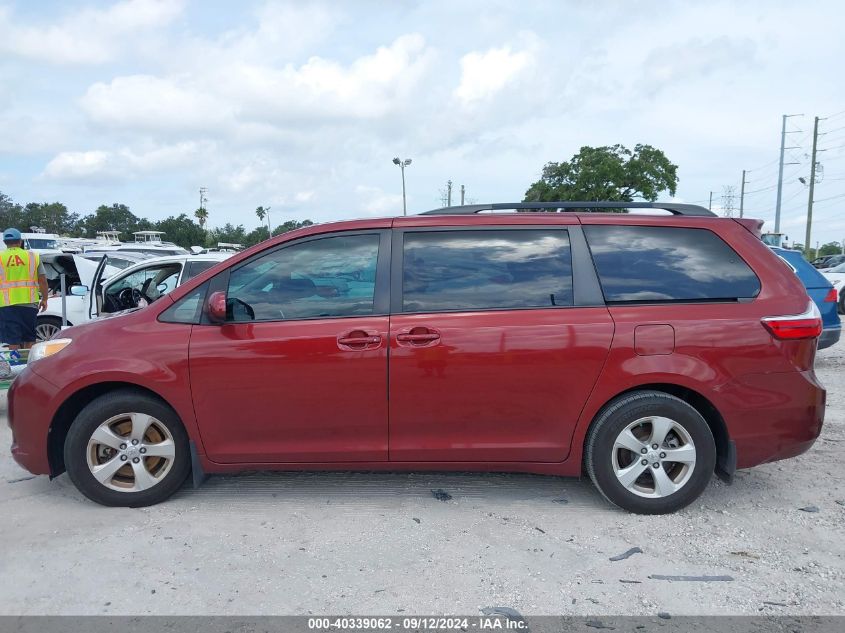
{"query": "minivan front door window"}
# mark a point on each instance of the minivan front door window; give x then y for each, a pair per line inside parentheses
(332, 277)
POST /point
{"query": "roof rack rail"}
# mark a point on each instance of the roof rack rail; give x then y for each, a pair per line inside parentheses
(676, 208)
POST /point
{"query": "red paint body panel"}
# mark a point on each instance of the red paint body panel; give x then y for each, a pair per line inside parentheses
(287, 391)
(134, 349)
(498, 386)
(500, 390)
(657, 339)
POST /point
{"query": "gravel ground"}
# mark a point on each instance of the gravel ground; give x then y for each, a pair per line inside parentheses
(383, 544)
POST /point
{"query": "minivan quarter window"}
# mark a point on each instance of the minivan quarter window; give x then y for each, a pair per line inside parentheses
(328, 277)
(653, 264)
(486, 270)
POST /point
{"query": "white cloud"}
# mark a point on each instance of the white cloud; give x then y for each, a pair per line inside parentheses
(374, 201)
(90, 36)
(148, 103)
(228, 99)
(266, 101)
(485, 74)
(102, 165)
(80, 165)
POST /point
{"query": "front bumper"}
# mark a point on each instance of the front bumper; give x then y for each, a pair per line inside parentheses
(829, 336)
(30, 397)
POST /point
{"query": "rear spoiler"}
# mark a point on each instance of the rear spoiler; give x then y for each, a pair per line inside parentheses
(753, 226)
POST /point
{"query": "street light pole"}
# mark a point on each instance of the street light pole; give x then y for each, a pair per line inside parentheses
(402, 164)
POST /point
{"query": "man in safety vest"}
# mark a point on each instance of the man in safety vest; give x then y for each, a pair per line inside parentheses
(22, 279)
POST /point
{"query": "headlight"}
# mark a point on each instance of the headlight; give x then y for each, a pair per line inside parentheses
(47, 348)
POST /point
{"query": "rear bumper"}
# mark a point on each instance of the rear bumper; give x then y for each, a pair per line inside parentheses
(29, 419)
(829, 336)
(773, 416)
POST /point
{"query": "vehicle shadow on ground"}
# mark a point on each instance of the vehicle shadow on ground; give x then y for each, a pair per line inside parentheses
(360, 490)
(355, 489)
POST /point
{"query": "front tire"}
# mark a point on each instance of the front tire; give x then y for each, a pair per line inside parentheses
(650, 453)
(47, 327)
(127, 448)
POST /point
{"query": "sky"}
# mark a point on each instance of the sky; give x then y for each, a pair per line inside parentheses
(301, 106)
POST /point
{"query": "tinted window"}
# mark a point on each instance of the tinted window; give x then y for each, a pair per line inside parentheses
(187, 309)
(477, 270)
(194, 268)
(657, 263)
(320, 278)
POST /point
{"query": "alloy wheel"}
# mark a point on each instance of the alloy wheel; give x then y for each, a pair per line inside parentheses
(130, 452)
(46, 331)
(653, 457)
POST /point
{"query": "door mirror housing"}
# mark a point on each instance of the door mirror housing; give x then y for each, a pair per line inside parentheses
(79, 291)
(215, 307)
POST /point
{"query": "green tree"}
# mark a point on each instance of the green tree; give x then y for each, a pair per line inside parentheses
(201, 214)
(116, 217)
(227, 233)
(257, 235)
(261, 212)
(181, 230)
(291, 225)
(54, 217)
(607, 173)
(11, 213)
(831, 248)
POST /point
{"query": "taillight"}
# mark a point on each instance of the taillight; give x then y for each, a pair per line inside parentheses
(796, 326)
(832, 296)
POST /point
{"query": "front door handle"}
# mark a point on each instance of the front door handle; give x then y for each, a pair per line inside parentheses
(357, 340)
(419, 336)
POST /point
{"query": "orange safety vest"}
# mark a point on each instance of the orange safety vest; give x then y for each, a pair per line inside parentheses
(18, 277)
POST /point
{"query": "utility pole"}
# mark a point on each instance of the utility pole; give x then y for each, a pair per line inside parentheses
(710, 204)
(812, 183)
(728, 193)
(448, 193)
(462, 195)
(780, 169)
(402, 164)
(742, 194)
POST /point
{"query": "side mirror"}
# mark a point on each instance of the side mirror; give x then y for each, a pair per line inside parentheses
(79, 291)
(215, 307)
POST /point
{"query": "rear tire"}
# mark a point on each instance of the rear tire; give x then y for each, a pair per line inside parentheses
(650, 452)
(127, 448)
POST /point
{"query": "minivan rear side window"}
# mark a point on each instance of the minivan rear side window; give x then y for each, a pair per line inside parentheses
(486, 270)
(652, 264)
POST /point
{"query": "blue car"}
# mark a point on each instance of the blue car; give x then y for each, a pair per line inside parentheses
(821, 291)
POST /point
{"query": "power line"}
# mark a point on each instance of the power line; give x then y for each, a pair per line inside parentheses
(841, 195)
(836, 129)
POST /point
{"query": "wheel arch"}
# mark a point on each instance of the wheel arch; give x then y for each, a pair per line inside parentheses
(725, 451)
(70, 408)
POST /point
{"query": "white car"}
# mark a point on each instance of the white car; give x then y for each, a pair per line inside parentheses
(836, 276)
(39, 242)
(104, 289)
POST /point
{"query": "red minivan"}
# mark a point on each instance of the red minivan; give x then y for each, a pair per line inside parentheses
(648, 351)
